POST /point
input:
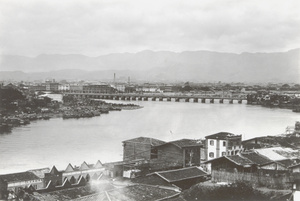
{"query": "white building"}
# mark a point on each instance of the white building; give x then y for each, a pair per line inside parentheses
(64, 87)
(222, 144)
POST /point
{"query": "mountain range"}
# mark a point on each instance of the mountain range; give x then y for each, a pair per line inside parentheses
(196, 66)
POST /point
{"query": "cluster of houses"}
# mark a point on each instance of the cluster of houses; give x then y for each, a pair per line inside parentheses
(221, 157)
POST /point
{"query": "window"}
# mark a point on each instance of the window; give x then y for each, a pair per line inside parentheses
(211, 143)
(224, 143)
(154, 153)
(211, 154)
(223, 153)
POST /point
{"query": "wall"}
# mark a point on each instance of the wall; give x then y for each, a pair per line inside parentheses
(133, 150)
(211, 148)
(170, 155)
(3, 189)
(252, 178)
(222, 148)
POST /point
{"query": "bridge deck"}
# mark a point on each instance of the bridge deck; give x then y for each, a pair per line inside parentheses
(160, 95)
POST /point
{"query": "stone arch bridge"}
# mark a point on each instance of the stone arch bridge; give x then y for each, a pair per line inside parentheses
(160, 97)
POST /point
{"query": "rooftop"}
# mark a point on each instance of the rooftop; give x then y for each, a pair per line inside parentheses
(278, 153)
(146, 140)
(221, 136)
(239, 160)
(17, 177)
(185, 143)
(256, 158)
(181, 174)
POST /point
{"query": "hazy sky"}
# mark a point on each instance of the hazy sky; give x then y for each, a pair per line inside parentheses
(96, 27)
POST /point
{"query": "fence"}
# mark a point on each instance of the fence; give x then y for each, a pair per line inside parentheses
(277, 182)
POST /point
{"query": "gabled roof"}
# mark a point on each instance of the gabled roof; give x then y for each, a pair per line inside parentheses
(181, 174)
(221, 136)
(69, 168)
(289, 162)
(238, 160)
(18, 177)
(54, 170)
(40, 172)
(98, 164)
(185, 143)
(84, 166)
(256, 158)
(146, 140)
(278, 153)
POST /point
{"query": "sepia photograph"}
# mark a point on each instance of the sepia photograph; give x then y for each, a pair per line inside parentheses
(140, 100)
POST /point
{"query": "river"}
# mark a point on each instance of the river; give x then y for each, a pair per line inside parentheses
(45, 143)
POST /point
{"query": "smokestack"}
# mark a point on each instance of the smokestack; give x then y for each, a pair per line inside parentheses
(128, 80)
(114, 78)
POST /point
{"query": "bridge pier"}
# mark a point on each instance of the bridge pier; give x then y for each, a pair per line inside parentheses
(212, 100)
(168, 99)
(240, 101)
(221, 101)
(195, 100)
(176, 99)
(203, 100)
(153, 99)
(231, 101)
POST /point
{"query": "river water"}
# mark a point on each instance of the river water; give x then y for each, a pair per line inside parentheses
(45, 143)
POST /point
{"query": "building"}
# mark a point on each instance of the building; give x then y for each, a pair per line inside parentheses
(183, 178)
(179, 153)
(101, 88)
(222, 144)
(88, 171)
(52, 86)
(259, 142)
(233, 163)
(76, 88)
(17, 181)
(140, 148)
(54, 176)
(37, 87)
(64, 87)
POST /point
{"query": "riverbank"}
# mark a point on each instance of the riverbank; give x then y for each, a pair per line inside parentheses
(77, 108)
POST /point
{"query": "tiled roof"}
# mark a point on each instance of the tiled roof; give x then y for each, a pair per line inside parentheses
(278, 153)
(186, 143)
(40, 172)
(220, 136)
(17, 177)
(146, 140)
(239, 160)
(256, 158)
(181, 174)
(289, 162)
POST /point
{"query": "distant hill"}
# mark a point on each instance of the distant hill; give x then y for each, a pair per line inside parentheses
(198, 66)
